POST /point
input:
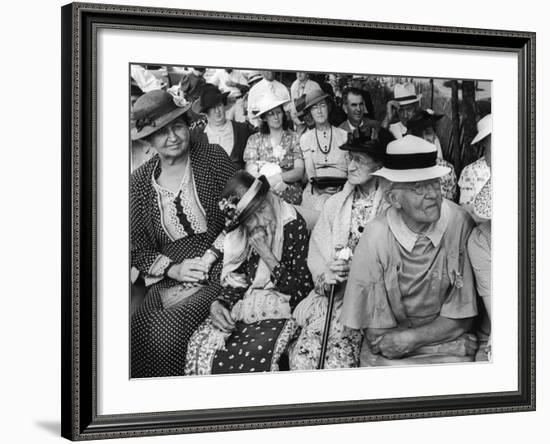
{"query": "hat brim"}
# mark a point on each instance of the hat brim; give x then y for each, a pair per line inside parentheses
(480, 136)
(408, 102)
(272, 106)
(413, 175)
(315, 101)
(161, 122)
(196, 106)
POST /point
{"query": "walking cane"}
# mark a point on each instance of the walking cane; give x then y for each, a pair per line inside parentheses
(326, 332)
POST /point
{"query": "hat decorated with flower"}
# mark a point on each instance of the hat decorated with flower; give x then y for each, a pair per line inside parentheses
(153, 111)
(411, 159)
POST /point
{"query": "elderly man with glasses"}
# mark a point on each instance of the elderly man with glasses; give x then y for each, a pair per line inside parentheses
(411, 286)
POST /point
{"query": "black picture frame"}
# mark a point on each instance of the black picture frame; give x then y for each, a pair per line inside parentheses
(80, 22)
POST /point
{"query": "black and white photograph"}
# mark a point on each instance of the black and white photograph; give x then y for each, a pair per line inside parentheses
(299, 221)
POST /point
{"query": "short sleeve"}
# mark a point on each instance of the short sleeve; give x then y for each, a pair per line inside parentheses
(366, 300)
(252, 151)
(296, 149)
(479, 252)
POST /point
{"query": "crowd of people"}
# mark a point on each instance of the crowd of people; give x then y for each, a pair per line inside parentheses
(258, 203)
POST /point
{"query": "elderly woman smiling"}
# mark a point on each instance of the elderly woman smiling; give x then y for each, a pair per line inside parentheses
(344, 218)
(176, 228)
(264, 277)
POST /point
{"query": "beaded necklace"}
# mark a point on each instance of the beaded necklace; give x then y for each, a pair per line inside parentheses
(327, 149)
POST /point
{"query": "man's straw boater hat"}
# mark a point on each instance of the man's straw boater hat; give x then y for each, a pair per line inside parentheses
(484, 128)
(411, 159)
(405, 94)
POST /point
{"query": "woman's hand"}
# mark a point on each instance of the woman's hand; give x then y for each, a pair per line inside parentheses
(337, 272)
(190, 271)
(221, 317)
(260, 241)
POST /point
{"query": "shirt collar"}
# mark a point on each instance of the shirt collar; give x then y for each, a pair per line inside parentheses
(407, 238)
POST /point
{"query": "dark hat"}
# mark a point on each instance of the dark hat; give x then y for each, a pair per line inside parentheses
(422, 119)
(210, 97)
(237, 210)
(154, 110)
(300, 105)
(328, 181)
(359, 142)
(313, 97)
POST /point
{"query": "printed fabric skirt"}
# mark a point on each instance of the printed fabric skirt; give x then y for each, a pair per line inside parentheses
(159, 335)
(343, 346)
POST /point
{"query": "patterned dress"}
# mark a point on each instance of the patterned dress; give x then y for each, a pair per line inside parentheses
(164, 230)
(259, 150)
(344, 344)
(257, 346)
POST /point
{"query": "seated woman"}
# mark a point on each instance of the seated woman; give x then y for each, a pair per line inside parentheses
(175, 238)
(325, 164)
(342, 221)
(479, 250)
(275, 151)
(264, 277)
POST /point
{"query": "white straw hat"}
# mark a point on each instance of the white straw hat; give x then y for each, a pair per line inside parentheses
(268, 102)
(484, 128)
(405, 94)
(411, 159)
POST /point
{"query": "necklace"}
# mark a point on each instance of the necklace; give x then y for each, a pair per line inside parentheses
(326, 149)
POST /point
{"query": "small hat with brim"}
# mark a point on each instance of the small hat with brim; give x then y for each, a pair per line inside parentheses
(267, 103)
(411, 159)
(313, 97)
(484, 128)
(254, 77)
(422, 119)
(210, 97)
(359, 142)
(483, 202)
(154, 110)
(405, 94)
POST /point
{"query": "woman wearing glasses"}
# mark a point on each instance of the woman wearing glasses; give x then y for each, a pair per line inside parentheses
(343, 220)
(326, 165)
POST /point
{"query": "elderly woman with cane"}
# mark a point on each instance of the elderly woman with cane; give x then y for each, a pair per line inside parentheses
(175, 234)
(342, 222)
(264, 276)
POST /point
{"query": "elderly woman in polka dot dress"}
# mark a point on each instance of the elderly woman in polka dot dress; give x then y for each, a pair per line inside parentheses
(176, 233)
(265, 275)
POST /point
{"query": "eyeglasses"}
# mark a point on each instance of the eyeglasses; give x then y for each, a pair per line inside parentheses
(320, 105)
(361, 161)
(421, 188)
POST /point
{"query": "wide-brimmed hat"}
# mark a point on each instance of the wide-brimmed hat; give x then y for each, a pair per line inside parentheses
(300, 104)
(483, 205)
(210, 97)
(313, 97)
(484, 128)
(154, 110)
(422, 119)
(411, 159)
(268, 102)
(405, 94)
(359, 142)
(254, 77)
(237, 210)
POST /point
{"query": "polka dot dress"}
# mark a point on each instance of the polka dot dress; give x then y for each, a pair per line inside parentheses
(159, 336)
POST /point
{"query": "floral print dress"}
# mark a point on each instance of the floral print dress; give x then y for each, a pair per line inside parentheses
(259, 150)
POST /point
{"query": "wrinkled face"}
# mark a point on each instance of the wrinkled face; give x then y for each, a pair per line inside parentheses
(172, 140)
(360, 168)
(274, 118)
(419, 202)
(354, 108)
(302, 76)
(263, 218)
(216, 114)
(319, 112)
(268, 75)
(405, 112)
